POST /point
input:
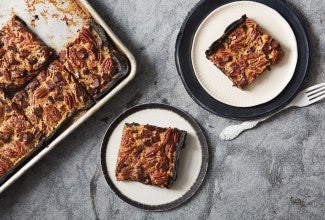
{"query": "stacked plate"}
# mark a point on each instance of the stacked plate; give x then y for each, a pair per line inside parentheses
(211, 89)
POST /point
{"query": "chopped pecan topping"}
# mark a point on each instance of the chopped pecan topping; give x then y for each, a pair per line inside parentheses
(14, 150)
(63, 55)
(5, 164)
(69, 100)
(57, 77)
(38, 111)
(238, 35)
(6, 74)
(26, 137)
(32, 60)
(21, 95)
(53, 114)
(96, 82)
(176, 137)
(146, 133)
(5, 136)
(107, 77)
(82, 53)
(50, 85)
(33, 84)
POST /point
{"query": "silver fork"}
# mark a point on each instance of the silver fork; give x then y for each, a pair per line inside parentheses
(304, 98)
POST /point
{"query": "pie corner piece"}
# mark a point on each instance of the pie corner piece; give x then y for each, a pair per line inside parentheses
(94, 60)
(18, 137)
(149, 154)
(244, 52)
(22, 55)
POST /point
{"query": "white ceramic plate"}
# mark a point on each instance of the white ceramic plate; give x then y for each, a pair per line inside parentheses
(193, 160)
(270, 83)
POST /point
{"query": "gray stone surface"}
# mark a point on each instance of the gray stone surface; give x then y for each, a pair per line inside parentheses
(276, 171)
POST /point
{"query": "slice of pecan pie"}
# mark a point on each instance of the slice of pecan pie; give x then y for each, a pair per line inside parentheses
(22, 55)
(51, 98)
(149, 154)
(17, 135)
(94, 61)
(244, 52)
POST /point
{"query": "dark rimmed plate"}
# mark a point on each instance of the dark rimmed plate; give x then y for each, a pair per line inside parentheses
(199, 94)
(193, 162)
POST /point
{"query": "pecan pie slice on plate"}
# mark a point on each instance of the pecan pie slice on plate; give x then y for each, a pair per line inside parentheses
(133, 154)
(244, 52)
(149, 154)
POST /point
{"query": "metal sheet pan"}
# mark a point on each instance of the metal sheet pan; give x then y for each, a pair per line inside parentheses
(56, 23)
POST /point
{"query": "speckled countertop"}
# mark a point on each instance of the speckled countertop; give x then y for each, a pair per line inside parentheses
(276, 171)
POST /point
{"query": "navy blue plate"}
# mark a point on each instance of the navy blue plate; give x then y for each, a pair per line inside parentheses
(197, 92)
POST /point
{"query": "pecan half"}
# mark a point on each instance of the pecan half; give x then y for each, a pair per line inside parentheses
(152, 150)
(145, 133)
(26, 137)
(166, 136)
(53, 114)
(57, 77)
(108, 65)
(176, 137)
(86, 36)
(41, 93)
(5, 164)
(69, 100)
(160, 179)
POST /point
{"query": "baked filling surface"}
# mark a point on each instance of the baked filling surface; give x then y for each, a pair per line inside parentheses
(244, 52)
(50, 94)
(51, 98)
(22, 55)
(149, 154)
(90, 60)
(17, 135)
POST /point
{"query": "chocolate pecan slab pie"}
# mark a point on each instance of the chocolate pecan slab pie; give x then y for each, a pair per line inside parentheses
(51, 98)
(149, 154)
(94, 61)
(17, 135)
(22, 55)
(244, 52)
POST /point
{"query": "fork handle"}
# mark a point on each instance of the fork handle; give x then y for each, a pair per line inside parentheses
(232, 131)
